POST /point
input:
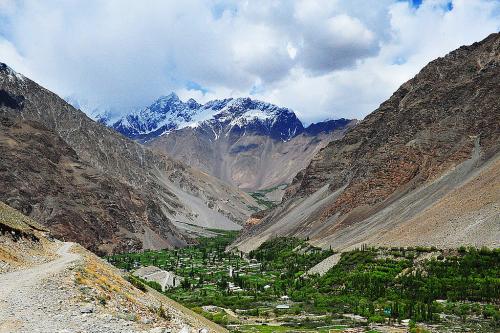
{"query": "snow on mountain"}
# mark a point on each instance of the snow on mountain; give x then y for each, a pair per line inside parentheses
(166, 113)
(222, 117)
(100, 114)
(242, 115)
(12, 75)
(169, 113)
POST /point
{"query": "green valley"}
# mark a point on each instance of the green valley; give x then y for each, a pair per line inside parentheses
(269, 289)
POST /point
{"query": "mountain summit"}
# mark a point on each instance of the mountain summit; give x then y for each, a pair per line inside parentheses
(165, 114)
(169, 113)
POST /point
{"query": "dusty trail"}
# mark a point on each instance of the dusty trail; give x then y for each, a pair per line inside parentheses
(44, 299)
(12, 282)
(22, 296)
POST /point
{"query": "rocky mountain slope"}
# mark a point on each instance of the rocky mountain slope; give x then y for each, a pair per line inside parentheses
(94, 186)
(250, 144)
(421, 169)
(51, 286)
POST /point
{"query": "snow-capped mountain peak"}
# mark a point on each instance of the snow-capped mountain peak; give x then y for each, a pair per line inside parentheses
(169, 113)
(231, 116)
(165, 114)
(248, 115)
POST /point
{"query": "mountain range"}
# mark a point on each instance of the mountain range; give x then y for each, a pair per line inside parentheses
(169, 113)
(92, 185)
(422, 169)
(248, 143)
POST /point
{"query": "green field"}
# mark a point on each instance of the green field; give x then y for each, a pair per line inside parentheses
(373, 285)
(282, 329)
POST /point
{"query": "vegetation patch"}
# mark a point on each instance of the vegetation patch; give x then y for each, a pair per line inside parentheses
(267, 290)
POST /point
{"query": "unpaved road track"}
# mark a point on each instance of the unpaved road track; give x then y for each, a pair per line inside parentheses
(22, 294)
(13, 282)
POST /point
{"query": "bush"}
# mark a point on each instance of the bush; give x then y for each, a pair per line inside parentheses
(155, 285)
(136, 282)
(419, 329)
(376, 319)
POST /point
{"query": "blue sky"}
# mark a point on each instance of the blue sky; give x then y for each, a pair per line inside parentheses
(322, 58)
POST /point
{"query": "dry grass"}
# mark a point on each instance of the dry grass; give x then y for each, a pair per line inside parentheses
(27, 246)
(109, 289)
(8, 256)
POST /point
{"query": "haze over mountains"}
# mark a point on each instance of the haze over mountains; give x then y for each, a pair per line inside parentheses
(247, 143)
(92, 185)
(422, 169)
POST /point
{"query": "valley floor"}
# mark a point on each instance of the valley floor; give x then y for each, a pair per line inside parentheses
(287, 285)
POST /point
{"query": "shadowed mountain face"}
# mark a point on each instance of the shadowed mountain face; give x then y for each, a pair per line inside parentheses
(93, 185)
(428, 146)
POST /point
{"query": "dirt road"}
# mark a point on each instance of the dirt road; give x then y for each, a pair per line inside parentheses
(11, 283)
(23, 298)
(45, 299)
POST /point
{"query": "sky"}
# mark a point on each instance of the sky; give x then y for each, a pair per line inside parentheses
(325, 59)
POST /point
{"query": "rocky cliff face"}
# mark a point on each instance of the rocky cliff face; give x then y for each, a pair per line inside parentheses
(429, 140)
(94, 185)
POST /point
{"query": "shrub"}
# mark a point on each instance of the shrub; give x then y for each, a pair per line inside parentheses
(136, 282)
(377, 319)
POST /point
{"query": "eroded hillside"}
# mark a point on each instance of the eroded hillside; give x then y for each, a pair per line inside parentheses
(97, 187)
(423, 151)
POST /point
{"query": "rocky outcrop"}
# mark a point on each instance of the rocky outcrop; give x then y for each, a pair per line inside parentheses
(92, 185)
(437, 133)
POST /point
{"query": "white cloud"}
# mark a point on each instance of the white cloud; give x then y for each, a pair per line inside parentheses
(335, 43)
(323, 58)
(417, 37)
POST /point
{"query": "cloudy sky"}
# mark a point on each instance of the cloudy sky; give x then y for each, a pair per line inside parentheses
(322, 58)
